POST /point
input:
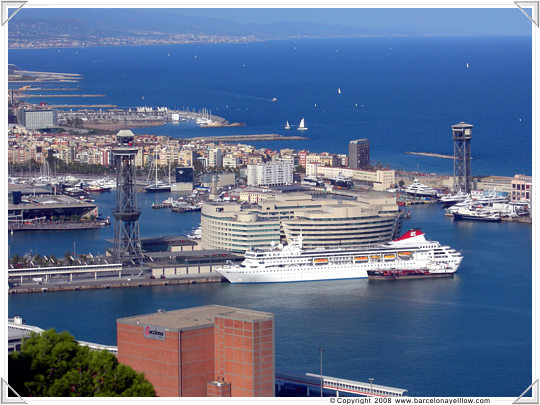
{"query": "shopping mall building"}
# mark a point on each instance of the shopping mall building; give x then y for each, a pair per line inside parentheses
(369, 219)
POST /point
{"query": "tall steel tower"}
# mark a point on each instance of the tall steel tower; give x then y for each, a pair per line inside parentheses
(462, 134)
(127, 243)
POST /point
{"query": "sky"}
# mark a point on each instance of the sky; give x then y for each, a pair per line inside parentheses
(448, 21)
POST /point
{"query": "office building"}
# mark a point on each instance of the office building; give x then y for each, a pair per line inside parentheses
(323, 222)
(38, 118)
(358, 154)
(204, 351)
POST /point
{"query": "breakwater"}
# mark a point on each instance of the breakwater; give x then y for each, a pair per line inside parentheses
(255, 137)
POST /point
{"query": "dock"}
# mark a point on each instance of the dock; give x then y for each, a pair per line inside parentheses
(115, 283)
(18, 226)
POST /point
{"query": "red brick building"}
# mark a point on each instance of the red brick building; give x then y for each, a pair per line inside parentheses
(204, 351)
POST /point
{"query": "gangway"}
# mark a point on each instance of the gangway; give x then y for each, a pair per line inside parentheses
(338, 385)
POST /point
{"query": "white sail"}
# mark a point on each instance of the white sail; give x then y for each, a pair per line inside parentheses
(302, 126)
(287, 126)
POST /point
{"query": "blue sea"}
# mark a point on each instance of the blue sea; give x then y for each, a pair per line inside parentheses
(403, 94)
(465, 336)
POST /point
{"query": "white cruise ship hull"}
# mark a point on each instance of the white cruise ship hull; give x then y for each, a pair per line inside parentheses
(293, 274)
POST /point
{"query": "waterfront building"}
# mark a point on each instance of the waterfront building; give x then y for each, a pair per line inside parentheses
(371, 218)
(201, 352)
(38, 118)
(220, 179)
(521, 188)
(270, 174)
(184, 177)
(493, 183)
(359, 154)
(378, 180)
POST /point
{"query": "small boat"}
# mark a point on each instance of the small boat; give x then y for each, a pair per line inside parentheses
(375, 258)
(274, 99)
(338, 91)
(390, 257)
(404, 254)
(302, 126)
(320, 261)
(287, 126)
(360, 259)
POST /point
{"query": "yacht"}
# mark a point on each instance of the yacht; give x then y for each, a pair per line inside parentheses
(420, 190)
(449, 200)
(476, 213)
(302, 126)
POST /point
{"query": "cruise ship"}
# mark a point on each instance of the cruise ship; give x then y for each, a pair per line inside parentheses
(410, 256)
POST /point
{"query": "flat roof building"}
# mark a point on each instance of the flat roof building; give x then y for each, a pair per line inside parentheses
(369, 219)
(358, 154)
(211, 350)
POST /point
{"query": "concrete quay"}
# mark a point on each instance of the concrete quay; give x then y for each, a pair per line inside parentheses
(116, 283)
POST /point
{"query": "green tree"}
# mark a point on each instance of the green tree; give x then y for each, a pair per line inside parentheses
(54, 365)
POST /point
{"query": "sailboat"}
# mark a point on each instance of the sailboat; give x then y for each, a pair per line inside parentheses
(158, 186)
(338, 91)
(287, 126)
(467, 65)
(302, 126)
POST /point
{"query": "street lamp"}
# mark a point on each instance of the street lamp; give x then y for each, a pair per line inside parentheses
(321, 350)
(371, 384)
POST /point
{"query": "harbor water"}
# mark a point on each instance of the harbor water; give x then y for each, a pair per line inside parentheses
(442, 337)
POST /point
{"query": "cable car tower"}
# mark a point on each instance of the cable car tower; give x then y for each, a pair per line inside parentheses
(462, 134)
(127, 242)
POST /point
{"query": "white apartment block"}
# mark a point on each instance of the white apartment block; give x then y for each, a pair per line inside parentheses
(231, 161)
(215, 157)
(270, 174)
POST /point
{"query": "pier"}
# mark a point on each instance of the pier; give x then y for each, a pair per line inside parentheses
(437, 155)
(333, 386)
